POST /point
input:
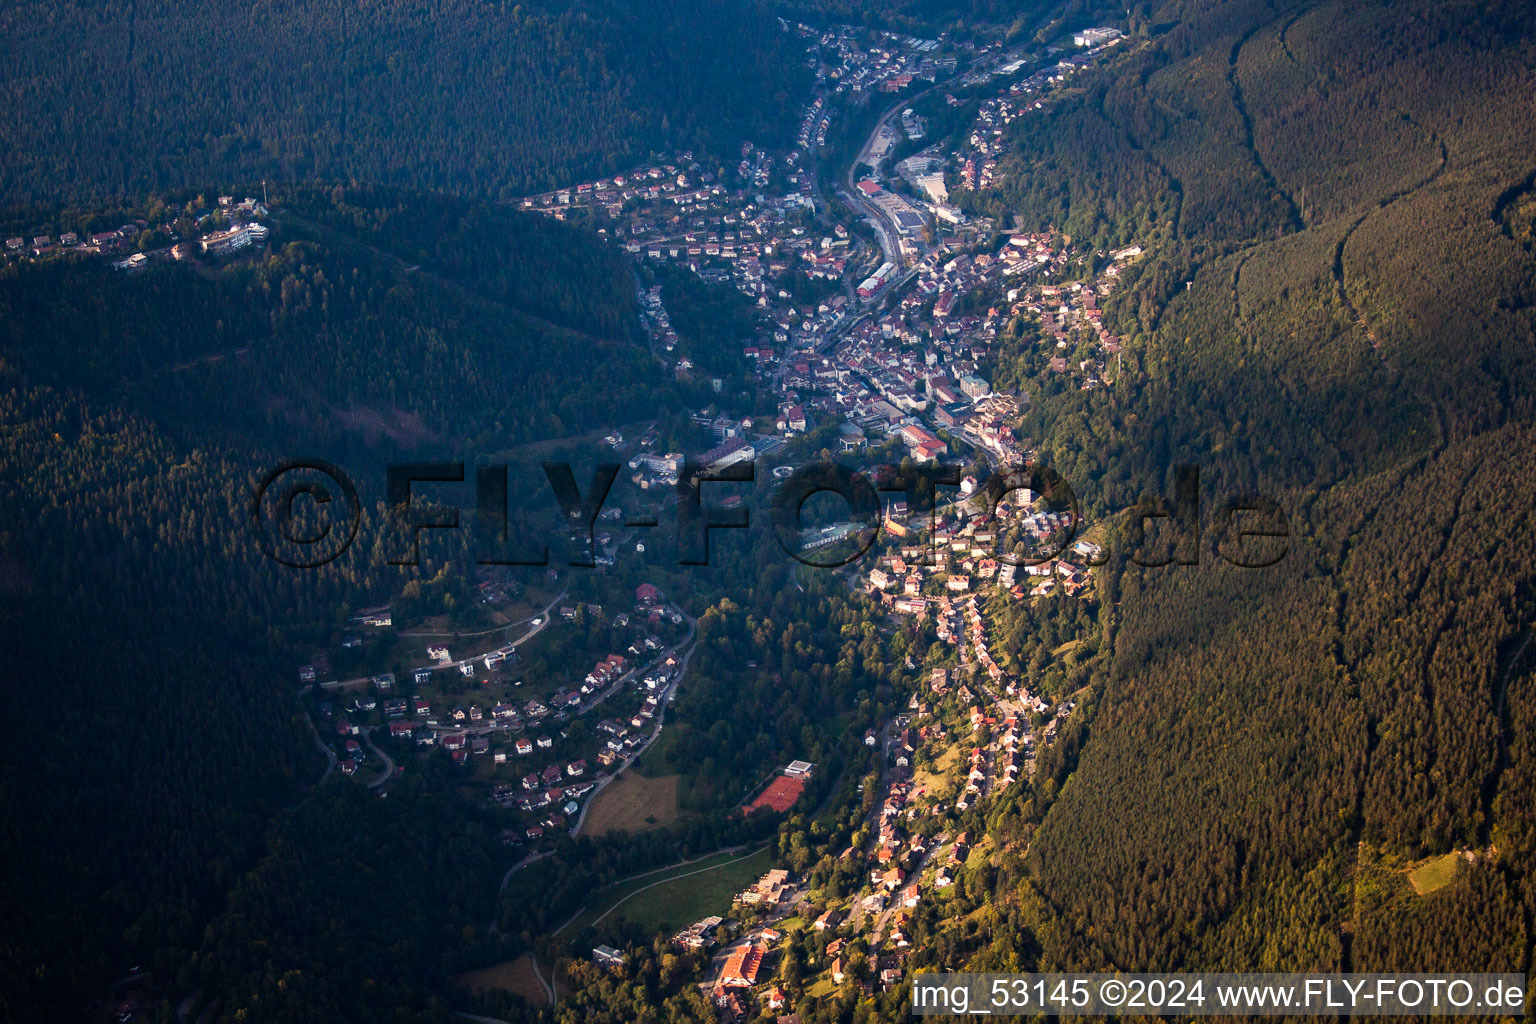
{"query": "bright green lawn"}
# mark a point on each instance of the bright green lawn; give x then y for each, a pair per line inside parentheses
(1434, 874)
(677, 897)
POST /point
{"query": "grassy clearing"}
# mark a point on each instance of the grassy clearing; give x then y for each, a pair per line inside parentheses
(1434, 874)
(658, 757)
(514, 976)
(679, 890)
(677, 904)
(938, 778)
(633, 803)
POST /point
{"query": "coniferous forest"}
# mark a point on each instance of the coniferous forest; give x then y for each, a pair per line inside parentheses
(1337, 310)
(484, 100)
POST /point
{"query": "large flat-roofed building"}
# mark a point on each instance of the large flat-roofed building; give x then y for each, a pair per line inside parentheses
(974, 387)
(234, 238)
(728, 454)
(1095, 36)
(932, 185)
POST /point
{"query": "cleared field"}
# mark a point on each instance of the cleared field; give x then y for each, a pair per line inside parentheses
(675, 894)
(1434, 874)
(679, 903)
(514, 976)
(633, 803)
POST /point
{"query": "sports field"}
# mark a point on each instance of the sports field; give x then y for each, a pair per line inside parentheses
(781, 794)
(675, 897)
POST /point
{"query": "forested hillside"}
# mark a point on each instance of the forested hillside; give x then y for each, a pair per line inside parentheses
(483, 99)
(1336, 312)
(1336, 309)
(380, 314)
(1016, 20)
(138, 412)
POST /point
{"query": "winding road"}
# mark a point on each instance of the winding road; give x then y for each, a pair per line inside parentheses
(493, 629)
(540, 621)
(661, 716)
(885, 228)
(532, 858)
(389, 764)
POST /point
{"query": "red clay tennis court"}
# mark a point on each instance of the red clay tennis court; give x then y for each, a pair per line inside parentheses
(781, 794)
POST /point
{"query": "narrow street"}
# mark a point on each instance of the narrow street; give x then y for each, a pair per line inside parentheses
(661, 716)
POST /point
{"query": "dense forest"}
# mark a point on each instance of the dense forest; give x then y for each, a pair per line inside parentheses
(390, 316)
(139, 410)
(1335, 310)
(483, 99)
(1023, 20)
